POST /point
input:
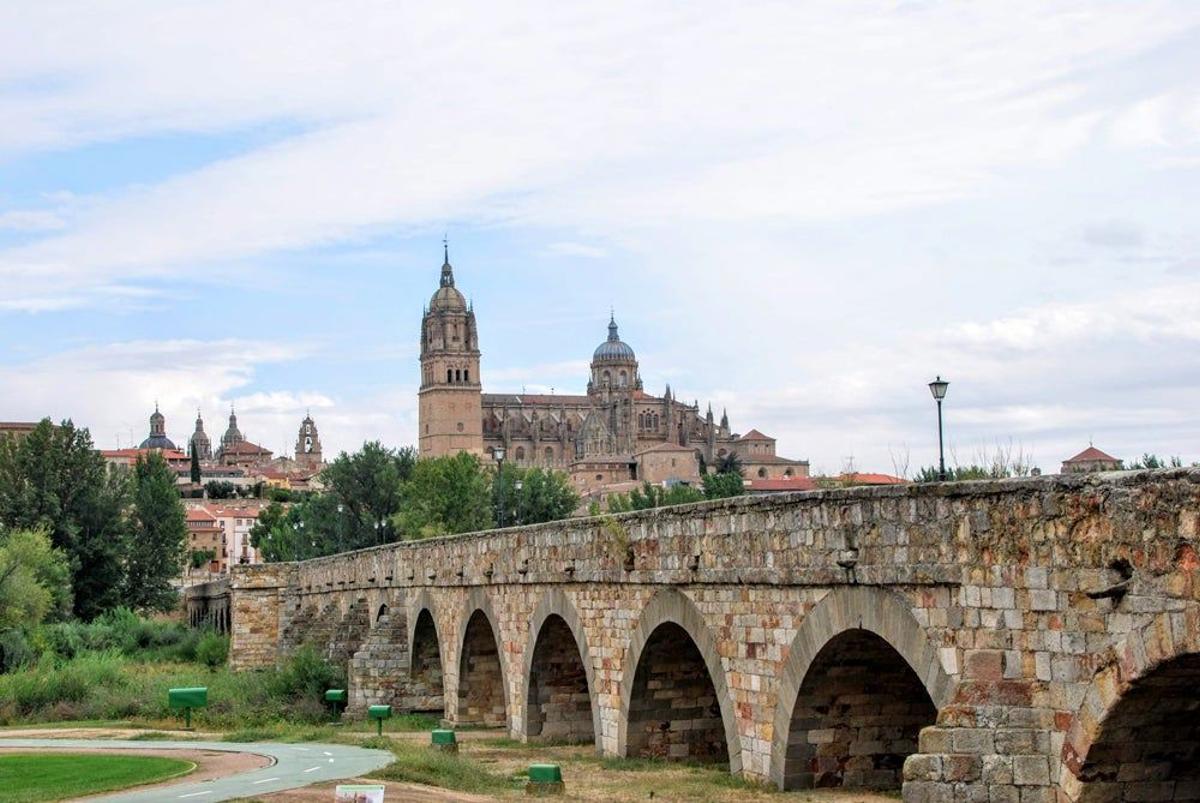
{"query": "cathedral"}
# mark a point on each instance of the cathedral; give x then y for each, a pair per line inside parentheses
(614, 435)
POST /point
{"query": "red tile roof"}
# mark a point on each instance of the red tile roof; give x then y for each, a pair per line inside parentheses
(755, 435)
(1090, 454)
(245, 447)
(859, 478)
(666, 446)
(786, 484)
(168, 454)
(199, 514)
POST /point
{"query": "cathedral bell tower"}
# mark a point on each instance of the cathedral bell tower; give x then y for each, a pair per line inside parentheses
(450, 402)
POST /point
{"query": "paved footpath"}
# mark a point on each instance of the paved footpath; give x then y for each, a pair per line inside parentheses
(295, 765)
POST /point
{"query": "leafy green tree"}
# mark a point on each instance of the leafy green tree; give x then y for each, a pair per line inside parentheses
(220, 489)
(54, 480)
(1151, 460)
(195, 472)
(368, 488)
(730, 463)
(34, 579)
(200, 557)
(723, 484)
(543, 495)
(155, 554)
(446, 495)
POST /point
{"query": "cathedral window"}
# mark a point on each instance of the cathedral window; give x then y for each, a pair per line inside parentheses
(520, 453)
(466, 374)
(449, 375)
(623, 379)
(787, 472)
(762, 473)
(549, 455)
(460, 426)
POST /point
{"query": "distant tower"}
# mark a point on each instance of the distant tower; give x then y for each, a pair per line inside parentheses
(232, 435)
(308, 443)
(158, 432)
(613, 382)
(450, 402)
(199, 443)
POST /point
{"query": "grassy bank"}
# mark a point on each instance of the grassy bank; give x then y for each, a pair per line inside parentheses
(30, 777)
(109, 685)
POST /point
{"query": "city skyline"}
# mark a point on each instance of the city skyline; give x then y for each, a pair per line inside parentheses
(801, 214)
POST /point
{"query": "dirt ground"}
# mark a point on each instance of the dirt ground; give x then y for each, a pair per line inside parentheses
(586, 779)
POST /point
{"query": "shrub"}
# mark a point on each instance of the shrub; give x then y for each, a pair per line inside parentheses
(15, 650)
(213, 650)
(306, 675)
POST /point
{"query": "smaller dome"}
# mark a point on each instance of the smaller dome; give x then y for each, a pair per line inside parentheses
(448, 298)
(158, 442)
(613, 349)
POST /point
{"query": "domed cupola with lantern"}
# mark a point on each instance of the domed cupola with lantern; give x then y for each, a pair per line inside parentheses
(614, 365)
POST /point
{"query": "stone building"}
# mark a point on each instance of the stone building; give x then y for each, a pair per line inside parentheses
(157, 439)
(237, 451)
(614, 433)
(308, 444)
(199, 444)
(1090, 459)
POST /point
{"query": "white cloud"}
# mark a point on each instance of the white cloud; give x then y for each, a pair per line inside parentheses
(600, 119)
(31, 220)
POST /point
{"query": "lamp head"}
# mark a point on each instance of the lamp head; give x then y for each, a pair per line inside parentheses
(938, 388)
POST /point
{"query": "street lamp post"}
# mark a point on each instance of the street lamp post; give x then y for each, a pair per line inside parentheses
(517, 486)
(498, 456)
(938, 388)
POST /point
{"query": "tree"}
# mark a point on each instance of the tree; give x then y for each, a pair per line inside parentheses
(54, 480)
(730, 464)
(368, 487)
(34, 579)
(195, 474)
(200, 557)
(544, 495)
(723, 484)
(1151, 460)
(446, 495)
(220, 489)
(156, 551)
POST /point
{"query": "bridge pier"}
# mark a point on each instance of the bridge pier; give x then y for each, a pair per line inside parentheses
(1028, 640)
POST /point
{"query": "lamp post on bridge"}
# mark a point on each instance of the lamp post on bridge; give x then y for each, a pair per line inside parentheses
(498, 456)
(938, 388)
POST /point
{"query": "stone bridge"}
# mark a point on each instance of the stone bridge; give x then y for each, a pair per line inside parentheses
(1021, 640)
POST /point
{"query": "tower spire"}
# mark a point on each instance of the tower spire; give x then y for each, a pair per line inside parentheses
(447, 271)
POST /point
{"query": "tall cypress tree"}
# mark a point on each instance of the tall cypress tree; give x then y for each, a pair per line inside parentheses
(156, 549)
(195, 466)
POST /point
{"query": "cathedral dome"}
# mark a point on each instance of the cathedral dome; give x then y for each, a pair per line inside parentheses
(613, 349)
(158, 433)
(447, 296)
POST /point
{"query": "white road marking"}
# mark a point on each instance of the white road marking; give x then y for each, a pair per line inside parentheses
(312, 769)
(266, 780)
(302, 749)
(331, 761)
(197, 794)
(326, 752)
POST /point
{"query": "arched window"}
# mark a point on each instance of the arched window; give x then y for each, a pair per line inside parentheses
(549, 454)
(520, 452)
(762, 473)
(787, 472)
(466, 374)
(623, 378)
(449, 374)
(606, 379)
(641, 420)
(656, 420)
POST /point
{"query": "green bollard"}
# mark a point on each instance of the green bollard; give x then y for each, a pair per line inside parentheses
(545, 779)
(186, 699)
(444, 740)
(379, 713)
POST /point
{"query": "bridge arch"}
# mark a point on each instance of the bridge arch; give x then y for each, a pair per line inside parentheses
(426, 655)
(480, 663)
(671, 609)
(1140, 717)
(555, 608)
(859, 618)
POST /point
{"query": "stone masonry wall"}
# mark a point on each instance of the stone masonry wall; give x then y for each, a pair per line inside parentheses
(1025, 609)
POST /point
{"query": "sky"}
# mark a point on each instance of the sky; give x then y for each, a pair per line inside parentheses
(800, 212)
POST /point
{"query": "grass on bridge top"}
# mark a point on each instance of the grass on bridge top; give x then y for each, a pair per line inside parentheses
(32, 777)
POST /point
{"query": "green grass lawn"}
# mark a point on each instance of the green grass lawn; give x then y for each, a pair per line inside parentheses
(28, 777)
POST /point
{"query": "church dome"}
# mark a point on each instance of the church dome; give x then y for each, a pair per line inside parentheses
(447, 297)
(613, 349)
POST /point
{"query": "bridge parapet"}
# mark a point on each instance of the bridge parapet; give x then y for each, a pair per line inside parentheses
(1003, 598)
